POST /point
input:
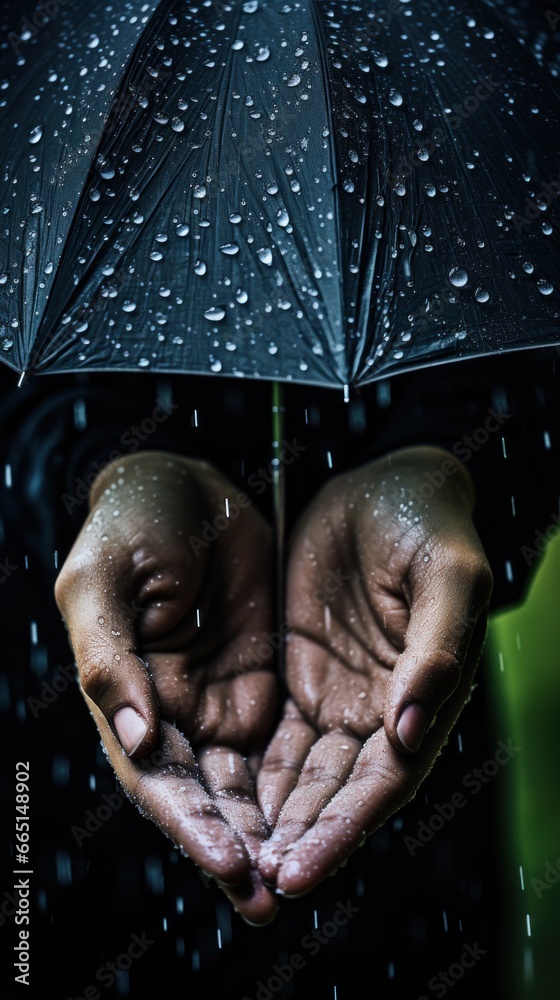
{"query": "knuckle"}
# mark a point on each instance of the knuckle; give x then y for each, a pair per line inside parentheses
(95, 676)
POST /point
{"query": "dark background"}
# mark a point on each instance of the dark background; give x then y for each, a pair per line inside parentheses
(416, 913)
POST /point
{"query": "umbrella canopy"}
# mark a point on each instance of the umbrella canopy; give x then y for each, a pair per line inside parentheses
(310, 191)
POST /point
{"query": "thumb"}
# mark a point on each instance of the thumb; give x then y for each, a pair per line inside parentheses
(102, 633)
(448, 615)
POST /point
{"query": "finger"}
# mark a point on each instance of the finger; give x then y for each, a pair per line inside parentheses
(283, 761)
(167, 789)
(383, 780)
(231, 785)
(102, 635)
(448, 601)
(326, 769)
(253, 900)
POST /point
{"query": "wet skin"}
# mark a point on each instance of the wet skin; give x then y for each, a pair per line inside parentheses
(387, 607)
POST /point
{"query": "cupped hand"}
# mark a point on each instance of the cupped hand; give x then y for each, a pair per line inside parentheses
(387, 609)
(166, 598)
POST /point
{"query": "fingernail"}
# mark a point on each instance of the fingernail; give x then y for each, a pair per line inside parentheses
(130, 728)
(412, 726)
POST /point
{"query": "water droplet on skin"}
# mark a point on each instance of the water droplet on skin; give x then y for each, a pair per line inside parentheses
(458, 277)
(545, 287)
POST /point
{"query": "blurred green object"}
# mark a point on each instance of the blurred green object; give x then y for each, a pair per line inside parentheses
(523, 665)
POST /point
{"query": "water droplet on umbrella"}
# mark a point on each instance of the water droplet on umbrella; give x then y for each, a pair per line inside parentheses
(395, 98)
(93, 42)
(3, 279)
(216, 366)
(528, 267)
(265, 255)
(272, 188)
(251, 6)
(348, 185)
(545, 287)
(430, 190)
(177, 125)
(161, 238)
(128, 307)
(7, 343)
(36, 134)
(263, 54)
(381, 61)
(94, 195)
(238, 44)
(138, 218)
(156, 255)
(143, 363)
(283, 218)
(241, 295)
(199, 191)
(215, 313)
(230, 249)
(294, 80)
(235, 218)
(182, 229)
(458, 277)
(481, 295)
(546, 228)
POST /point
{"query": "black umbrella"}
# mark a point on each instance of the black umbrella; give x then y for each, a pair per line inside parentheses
(307, 191)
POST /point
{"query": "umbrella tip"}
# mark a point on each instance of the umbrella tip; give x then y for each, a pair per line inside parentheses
(346, 394)
(21, 378)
